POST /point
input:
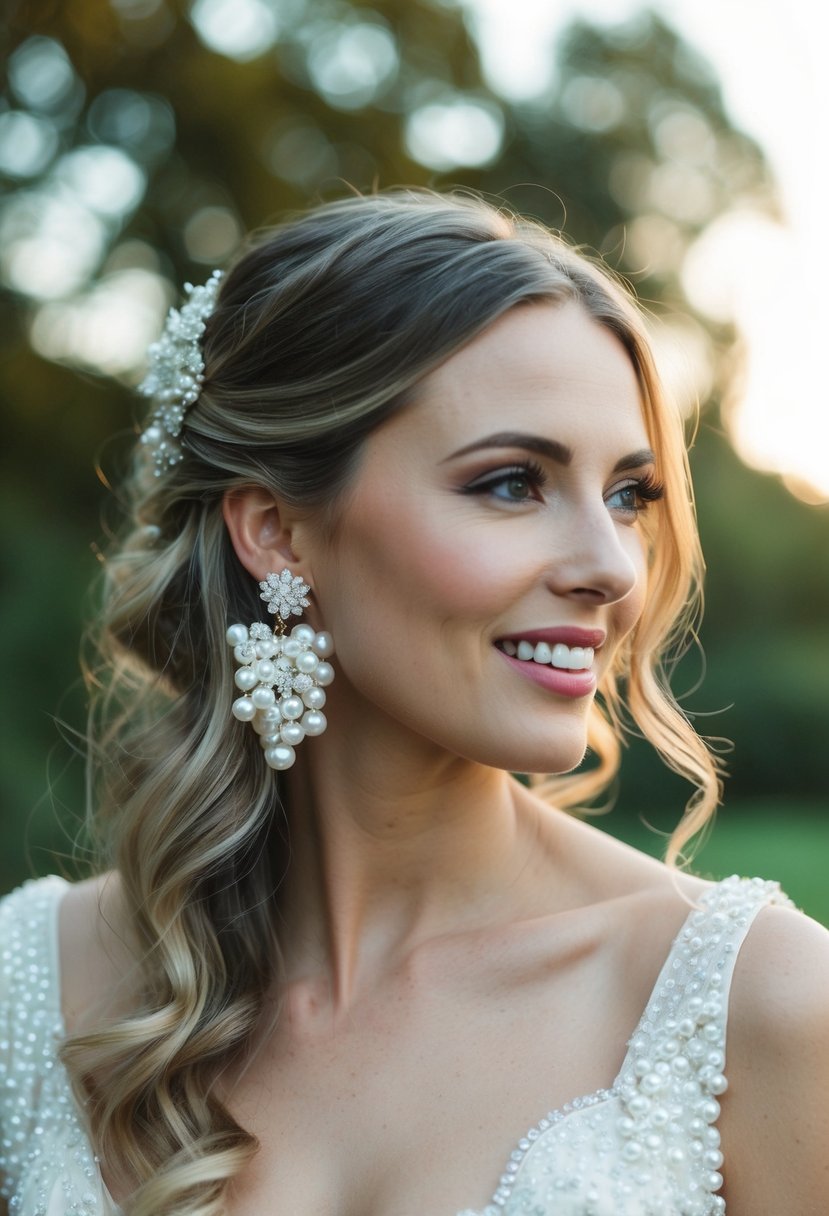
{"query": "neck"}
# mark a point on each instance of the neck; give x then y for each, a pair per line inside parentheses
(392, 845)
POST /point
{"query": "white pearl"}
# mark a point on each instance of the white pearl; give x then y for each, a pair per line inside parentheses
(265, 650)
(271, 740)
(718, 1084)
(243, 709)
(271, 716)
(280, 757)
(314, 698)
(265, 669)
(303, 633)
(246, 679)
(242, 652)
(292, 707)
(323, 644)
(293, 733)
(324, 674)
(314, 722)
(237, 634)
(306, 662)
(263, 698)
(291, 648)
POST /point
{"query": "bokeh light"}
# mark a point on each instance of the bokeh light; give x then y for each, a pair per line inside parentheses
(455, 131)
(239, 29)
(351, 64)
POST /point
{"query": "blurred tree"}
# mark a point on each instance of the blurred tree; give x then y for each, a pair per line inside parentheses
(140, 138)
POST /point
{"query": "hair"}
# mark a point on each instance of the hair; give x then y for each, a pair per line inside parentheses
(323, 328)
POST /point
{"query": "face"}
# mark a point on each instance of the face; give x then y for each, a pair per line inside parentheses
(504, 507)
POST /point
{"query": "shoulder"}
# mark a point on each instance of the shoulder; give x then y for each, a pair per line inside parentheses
(776, 1110)
(98, 956)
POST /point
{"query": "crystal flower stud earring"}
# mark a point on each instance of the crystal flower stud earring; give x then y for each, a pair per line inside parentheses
(282, 677)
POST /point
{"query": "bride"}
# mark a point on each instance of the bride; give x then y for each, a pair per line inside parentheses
(410, 516)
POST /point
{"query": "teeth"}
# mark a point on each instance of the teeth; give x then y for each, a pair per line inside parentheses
(566, 658)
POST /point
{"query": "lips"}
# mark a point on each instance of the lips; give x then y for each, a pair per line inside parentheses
(560, 659)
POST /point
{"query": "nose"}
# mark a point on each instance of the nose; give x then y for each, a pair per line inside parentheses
(596, 558)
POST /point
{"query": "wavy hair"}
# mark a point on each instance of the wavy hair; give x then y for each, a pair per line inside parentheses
(323, 328)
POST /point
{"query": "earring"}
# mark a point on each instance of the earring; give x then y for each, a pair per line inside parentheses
(282, 678)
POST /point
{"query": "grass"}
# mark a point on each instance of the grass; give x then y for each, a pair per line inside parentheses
(787, 842)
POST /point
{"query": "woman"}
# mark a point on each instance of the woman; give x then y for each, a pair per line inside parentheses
(339, 959)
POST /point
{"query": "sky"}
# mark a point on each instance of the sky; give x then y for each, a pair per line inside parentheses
(770, 279)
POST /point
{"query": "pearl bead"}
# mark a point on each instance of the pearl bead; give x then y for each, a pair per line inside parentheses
(291, 648)
(314, 722)
(263, 698)
(244, 652)
(323, 644)
(718, 1084)
(306, 662)
(243, 709)
(271, 716)
(314, 698)
(293, 733)
(280, 757)
(237, 634)
(265, 669)
(265, 650)
(271, 740)
(324, 674)
(304, 634)
(246, 679)
(292, 707)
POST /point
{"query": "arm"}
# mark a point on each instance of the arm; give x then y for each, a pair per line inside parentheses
(775, 1114)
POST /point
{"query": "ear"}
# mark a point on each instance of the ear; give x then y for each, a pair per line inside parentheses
(260, 530)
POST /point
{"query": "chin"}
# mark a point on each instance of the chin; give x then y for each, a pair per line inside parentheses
(557, 755)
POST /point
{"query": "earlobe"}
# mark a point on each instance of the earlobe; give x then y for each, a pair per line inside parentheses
(258, 531)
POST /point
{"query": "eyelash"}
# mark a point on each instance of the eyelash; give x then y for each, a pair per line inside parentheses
(647, 488)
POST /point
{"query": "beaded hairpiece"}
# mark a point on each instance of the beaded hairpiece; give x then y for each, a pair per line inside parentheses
(176, 372)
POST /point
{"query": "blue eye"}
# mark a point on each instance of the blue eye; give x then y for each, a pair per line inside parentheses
(635, 496)
(514, 484)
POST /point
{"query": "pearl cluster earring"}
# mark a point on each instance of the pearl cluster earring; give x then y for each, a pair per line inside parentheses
(282, 678)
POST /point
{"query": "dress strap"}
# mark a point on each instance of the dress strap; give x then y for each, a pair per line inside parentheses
(30, 1018)
(675, 1068)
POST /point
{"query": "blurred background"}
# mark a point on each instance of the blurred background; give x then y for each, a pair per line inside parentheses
(139, 139)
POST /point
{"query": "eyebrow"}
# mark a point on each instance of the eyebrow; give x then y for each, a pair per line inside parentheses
(551, 448)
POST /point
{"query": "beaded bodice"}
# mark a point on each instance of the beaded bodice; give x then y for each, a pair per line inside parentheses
(648, 1146)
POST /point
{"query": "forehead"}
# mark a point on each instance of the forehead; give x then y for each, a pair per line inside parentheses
(548, 367)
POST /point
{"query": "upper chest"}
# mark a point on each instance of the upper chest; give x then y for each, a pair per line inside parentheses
(414, 1101)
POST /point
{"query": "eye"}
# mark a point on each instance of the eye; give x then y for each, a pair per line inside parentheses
(633, 498)
(514, 484)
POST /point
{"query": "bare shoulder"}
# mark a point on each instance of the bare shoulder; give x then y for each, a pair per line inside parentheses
(97, 956)
(776, 1110)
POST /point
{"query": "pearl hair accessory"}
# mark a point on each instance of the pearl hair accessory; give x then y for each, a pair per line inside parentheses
(176, 372)
(282, 678)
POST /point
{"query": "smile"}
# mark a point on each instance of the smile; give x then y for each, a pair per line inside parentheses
(565, 658)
